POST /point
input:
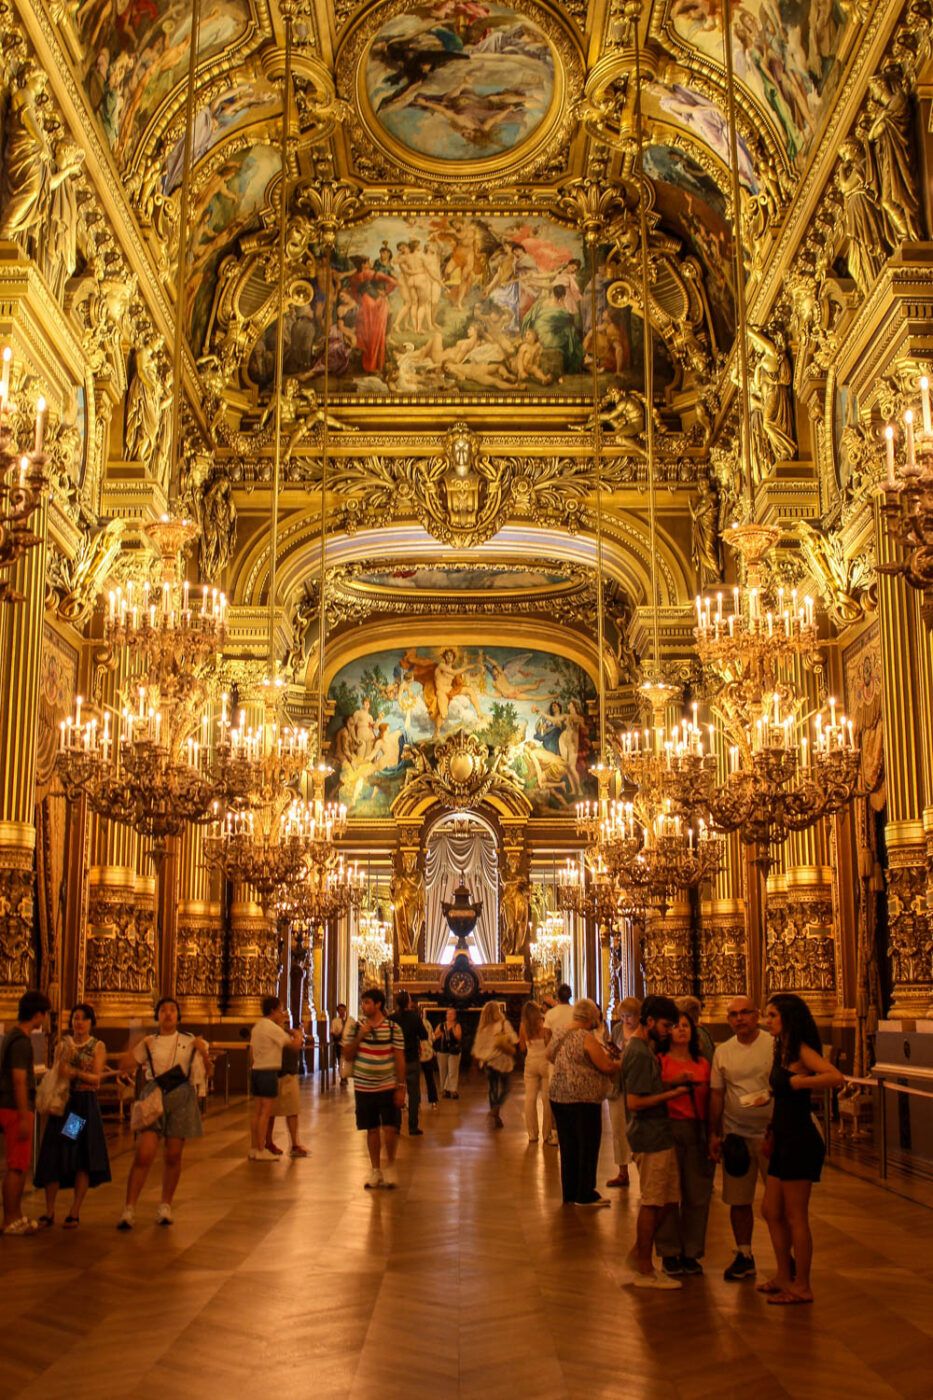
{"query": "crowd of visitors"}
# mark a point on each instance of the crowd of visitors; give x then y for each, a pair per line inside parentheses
(678, 1106)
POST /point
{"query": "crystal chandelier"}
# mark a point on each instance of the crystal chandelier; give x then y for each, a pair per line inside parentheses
(22, 482)
(551, 943)
(322, 893)
(372, 941)
(908, 501)
(155, 765)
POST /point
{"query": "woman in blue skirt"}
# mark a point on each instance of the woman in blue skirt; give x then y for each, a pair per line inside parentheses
(73, 1153)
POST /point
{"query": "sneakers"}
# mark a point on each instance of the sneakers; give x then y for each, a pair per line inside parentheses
(389, 1178)
(263, 1155)
(127, 1219)
(742, 1266)
(693, 1267)
(373, 1181)
(655, 1280)
(164, 1214)
(672, 1265)
(594, 1204)
(22, 1226)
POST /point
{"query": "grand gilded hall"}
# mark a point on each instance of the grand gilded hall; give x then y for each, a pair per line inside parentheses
(466, 535)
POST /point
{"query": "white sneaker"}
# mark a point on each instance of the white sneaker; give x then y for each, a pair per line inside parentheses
(127, 1219)
(164, 1214)
(389, 1177)
(263, 1155)
(655, 1280)
(373, 1181)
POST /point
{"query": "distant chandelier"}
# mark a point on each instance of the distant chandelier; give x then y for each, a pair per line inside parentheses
(551, 943)
(322, 893)
(908, 503)
(22, 483)
(371, 941)
(157, 766)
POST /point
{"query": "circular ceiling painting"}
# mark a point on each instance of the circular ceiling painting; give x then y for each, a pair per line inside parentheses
(459, 80)
(462, 578)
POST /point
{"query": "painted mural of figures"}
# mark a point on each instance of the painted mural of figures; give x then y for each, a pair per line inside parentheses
(889, 142)
(505, 678)
(863, 220)
(442, 682)
(145, 405)
(370, 289)
(770, 393)
(555, 328)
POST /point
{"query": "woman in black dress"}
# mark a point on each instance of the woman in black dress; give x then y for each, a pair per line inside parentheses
(73, 1153)
(797, 1149)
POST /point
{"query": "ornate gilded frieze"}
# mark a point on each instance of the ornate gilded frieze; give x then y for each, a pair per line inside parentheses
(17, 897)
(801, 951)
(910, 933)
(667, 954)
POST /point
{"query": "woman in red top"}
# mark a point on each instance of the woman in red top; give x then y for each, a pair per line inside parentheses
(681, 1240)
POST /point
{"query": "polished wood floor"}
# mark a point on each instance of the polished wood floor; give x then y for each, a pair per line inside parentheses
(470, 1280)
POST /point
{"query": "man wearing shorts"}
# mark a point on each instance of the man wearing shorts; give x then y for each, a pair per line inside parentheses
(377, 1052)
(267, 1040)
(741, 1071)
(18, 1108)
(649, 1133)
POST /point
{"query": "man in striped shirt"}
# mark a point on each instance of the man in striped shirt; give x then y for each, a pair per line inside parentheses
(377, 1052)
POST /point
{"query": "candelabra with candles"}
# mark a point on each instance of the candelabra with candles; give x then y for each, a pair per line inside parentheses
(157, 764)
(322, 893)
(586, 888)
(270, 845)
(908, 500)
(22, 483)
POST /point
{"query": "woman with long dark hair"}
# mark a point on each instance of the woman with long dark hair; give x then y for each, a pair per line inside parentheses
(73, 1153)
(796, 1148)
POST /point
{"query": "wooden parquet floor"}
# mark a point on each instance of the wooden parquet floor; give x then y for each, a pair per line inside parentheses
(470, 1280)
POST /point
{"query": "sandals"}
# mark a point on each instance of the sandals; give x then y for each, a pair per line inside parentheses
(71, 1222)
(45, 1222)
(783, 1299)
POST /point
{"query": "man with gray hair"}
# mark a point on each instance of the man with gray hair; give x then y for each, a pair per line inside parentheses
(739, 1114)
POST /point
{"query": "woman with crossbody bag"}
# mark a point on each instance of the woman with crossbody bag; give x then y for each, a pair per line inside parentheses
(73, 1154)
(167, 1108)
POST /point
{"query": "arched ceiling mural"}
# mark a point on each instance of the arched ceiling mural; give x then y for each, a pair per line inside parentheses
(504, 98)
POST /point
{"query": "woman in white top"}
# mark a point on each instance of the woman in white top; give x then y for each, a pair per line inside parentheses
(494, 1048)
(533, 1044)
(171, 1061)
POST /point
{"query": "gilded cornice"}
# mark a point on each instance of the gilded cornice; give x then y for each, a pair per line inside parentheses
(101, 171)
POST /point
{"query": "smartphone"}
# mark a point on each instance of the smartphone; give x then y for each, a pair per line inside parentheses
(73, 1126)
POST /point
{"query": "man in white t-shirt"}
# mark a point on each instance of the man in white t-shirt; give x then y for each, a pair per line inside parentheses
(267, 1040)
(741, 1071)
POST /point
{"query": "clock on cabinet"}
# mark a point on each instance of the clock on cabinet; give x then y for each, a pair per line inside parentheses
(461, 983)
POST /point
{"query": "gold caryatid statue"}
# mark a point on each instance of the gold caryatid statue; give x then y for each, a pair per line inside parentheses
(407, 890)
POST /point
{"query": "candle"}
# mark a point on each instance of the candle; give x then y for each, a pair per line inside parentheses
(23, 469)
(909, 420)
(5, 377)
(40, 426)
(925, 402)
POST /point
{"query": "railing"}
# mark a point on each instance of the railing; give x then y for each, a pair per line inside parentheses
(881, 1082)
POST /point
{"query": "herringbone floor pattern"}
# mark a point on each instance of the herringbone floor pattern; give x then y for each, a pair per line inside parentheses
(468, 1281)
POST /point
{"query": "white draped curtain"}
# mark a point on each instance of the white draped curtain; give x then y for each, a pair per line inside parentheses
(453, 856)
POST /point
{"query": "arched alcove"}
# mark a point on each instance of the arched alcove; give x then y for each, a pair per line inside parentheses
(461, 847)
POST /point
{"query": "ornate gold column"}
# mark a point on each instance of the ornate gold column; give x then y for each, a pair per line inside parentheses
(20, 647)
(667, 956)
(904, 658)
(198, 940)
(723, 942)
(254, 956)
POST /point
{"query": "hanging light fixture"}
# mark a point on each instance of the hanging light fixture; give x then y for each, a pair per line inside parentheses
(22, 483)
(778, 779)
(278, 832)
(157, 764)
(372, 942)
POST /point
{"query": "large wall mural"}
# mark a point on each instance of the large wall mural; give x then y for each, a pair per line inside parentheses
(458, 80)
(390, 701)
(249, 98)
(454, 303)
(137, 53)
(785, 53)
